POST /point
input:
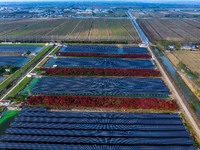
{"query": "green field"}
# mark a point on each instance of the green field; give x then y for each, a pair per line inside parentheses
(7, 119)
(72, 29)
(20, 87)
(23, 44)
(30, 86)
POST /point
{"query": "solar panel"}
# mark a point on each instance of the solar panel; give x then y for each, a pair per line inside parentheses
(104, 49)
(17, 61)
(99, 133)
(95, 130)
(101, 86)
(96, 115)
(100, 63)
(98, 140)
(21, 49)
(7, 145)
(101, 121)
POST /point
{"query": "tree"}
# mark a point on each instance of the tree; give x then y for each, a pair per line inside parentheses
(177, 45)
(2, 70)
(28, 52)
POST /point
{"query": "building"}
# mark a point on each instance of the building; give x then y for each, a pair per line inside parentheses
(171, 47)
(188, 47)
(5, 102)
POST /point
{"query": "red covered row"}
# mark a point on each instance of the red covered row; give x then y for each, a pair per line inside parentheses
(102, 102)
(87, 54)
(101, 72)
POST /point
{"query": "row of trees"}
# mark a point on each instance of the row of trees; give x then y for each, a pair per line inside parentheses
(101, 72)
(90, 54)
(102, 102)
(11, 69)
(69, 38)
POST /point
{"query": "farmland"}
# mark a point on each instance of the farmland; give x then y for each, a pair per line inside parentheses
(72, 30)
(165, 13)
(179, 30)
(188, 63)
(190, 59)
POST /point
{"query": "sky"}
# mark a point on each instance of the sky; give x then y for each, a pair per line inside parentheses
(104, 0)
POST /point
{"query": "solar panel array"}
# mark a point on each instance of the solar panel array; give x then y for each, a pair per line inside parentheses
(100, 63)
(101, 86)
(104, 49)
(21, 49)
(43, 129)
(13, 60)
(1, 78)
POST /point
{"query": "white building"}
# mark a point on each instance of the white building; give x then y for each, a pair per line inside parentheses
(5, 102)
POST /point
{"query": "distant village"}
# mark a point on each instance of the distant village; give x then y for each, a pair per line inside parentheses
(191, 47)
(36, 12)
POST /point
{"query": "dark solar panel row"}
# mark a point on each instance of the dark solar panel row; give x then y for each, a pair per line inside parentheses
(7, 145)
(27, 110)
(109, 127)
(99, 133)
(100, 86)
(104, 49)
(101, 121)
(17, 61)
(106, 115)
(98, 140)
(100, 63)
(89, 130)
(21, 49)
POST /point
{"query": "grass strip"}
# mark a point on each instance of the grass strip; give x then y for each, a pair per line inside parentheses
(20, 87)
(30, 86)
(9, 114)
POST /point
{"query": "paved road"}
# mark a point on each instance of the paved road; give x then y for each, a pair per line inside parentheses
(26, 75)
(147, 42)
(138, 29)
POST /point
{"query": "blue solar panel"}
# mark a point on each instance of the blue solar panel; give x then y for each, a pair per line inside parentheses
(98, 140)
(101, 86)
(89, 130)
(100, 63)
(21, 49)
(33, 109)
(104, 49)
(98, 126)
(96, 115)
(17, 61)
(101, 121)
(1, 78)
(7, 145)
(100, 133)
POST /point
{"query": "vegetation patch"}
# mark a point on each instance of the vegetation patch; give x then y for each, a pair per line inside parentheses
(7, 115)
(102, 102)
(101, 72)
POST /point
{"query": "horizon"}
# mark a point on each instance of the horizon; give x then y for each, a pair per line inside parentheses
(146, 1)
